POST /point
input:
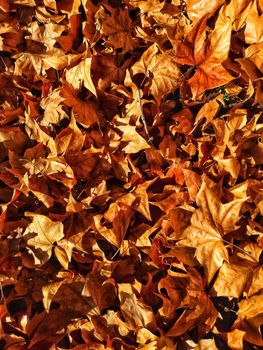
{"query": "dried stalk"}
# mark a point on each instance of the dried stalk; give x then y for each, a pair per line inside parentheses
(143, 117)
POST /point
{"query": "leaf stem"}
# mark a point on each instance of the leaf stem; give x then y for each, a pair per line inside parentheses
(241, 249)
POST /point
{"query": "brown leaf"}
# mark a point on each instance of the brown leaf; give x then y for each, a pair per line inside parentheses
(117, 26)
(85, 112)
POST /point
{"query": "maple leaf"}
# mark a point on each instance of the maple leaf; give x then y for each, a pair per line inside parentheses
(117, 26)
(110, 69)
(240, 275)
(237, 11)
(209, 223)
(47, 233)
(206, 55)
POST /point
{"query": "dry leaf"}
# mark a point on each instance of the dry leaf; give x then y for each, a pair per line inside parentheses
(42, 234)
(81, 74)
(131, 160)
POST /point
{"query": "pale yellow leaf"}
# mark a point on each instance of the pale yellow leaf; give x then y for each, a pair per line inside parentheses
(46, 233)
(81, 74)
(135, 141)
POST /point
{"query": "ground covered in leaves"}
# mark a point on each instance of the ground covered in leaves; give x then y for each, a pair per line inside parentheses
(130, 181)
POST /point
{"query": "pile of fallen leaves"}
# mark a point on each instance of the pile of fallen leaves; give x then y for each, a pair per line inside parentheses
(130, 174)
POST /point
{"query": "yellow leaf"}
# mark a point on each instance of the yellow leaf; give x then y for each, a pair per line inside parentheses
(250, 319)
(232, 279)
(250, 307)
(141, 193)
(52, 106)
(136, 142)
(237, 11)
(62, 256)
(235, 339)
(144, 336)
(135, 312)
(224, 216)
(70, 139)
(80, 74)
(207, 344)
(149, 5)
(254, 25)
(208, 224)
(47, 233)
(255, 53)
(30, 3)
(197, 9)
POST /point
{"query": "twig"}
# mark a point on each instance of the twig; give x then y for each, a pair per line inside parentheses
(143, 117)
(2, 296)
(115, 254)
(3, 62)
